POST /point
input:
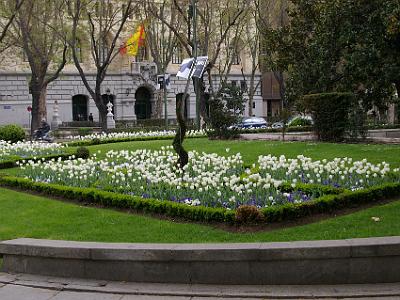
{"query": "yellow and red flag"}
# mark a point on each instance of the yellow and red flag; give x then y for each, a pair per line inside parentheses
(136, 41)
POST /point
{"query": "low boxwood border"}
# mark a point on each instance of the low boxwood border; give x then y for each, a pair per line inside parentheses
(127, 139)
(336, 200)
(115, 200)
(8, 164)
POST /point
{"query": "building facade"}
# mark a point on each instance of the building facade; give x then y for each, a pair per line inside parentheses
(130, 85)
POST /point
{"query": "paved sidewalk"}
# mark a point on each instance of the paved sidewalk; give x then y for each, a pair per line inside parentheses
(33, 287)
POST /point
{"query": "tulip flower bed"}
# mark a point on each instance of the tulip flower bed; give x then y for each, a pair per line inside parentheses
(9, 153)
(116, 137)
(213, 181)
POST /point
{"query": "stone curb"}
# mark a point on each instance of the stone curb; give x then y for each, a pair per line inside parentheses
(354, 261)
(181, 290)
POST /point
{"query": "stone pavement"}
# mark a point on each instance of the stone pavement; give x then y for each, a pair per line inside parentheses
(33, 287)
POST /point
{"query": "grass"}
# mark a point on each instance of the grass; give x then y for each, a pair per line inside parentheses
(250, 150)
(25, 215)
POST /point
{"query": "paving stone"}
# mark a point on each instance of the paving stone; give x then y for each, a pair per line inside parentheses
(15, 292)
(148, 297)
(85, 296)
(6, 278)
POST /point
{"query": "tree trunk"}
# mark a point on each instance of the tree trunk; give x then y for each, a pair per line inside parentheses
(181, 132)
(202, 98)
(39, 111)
(102, 111)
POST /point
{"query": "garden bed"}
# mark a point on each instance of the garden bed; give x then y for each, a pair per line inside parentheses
(212, 187)
(13, 153)
(118, 137)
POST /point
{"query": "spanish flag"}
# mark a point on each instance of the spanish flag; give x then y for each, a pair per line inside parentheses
(135, 41)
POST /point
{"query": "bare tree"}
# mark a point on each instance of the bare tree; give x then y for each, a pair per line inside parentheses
(216, 19)
(160, 39)
(8, 12)
(251, 46)
(44, 49)
(271, 15)
(104, 22)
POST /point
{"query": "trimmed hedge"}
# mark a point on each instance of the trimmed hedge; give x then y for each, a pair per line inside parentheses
(121, 140)
(8, 164)
(330, 203)
(331, 114)
(324, 204)
(115, 200)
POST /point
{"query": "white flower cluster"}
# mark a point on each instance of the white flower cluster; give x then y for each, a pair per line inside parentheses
(139, 134)
(340, 172)
(208, 179)
(26, 149)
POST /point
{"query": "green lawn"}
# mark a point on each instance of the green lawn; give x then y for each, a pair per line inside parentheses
(250, 150)
(24, 215)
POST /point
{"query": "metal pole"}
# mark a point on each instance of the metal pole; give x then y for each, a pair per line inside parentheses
(165, 103)
(195, 54)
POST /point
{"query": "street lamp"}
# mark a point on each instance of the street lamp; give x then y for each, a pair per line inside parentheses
(193, 14)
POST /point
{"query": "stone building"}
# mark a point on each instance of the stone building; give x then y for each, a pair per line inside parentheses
(130, 85)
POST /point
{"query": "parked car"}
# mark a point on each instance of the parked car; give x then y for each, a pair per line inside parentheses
(251, 122)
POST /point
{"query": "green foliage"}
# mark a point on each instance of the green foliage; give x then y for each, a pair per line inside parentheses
(336, 46)
(333, 115)
(226, 109)
(82, 131)
(97, 141)
(109, 199)
(300, 122)
(337, 200)
(331, 203)
(12, 163)
(82, 152)
(12, 133)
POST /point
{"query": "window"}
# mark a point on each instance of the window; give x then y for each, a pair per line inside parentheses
(177, 55)
(103, 52)
(78, 50)
(142, 54)
(24, 56)
(234, 83)
(235, 56)
(243, 86)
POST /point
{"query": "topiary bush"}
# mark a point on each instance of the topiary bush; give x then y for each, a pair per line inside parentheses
(248, 214)
(12, 133)
(82, 152)
(331, 113)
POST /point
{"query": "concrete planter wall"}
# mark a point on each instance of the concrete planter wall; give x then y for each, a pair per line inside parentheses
(374, 260)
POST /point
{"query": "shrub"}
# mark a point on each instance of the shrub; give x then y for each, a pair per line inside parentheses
(12, 133)
(332, 114)
(248, 214)
(82, 152)
(225, 110)
(85, 131)
(300, 122)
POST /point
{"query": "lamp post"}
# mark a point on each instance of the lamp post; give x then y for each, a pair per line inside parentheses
(195, 55)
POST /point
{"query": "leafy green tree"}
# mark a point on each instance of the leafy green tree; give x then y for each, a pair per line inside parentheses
(341, 45)
(226, 108)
